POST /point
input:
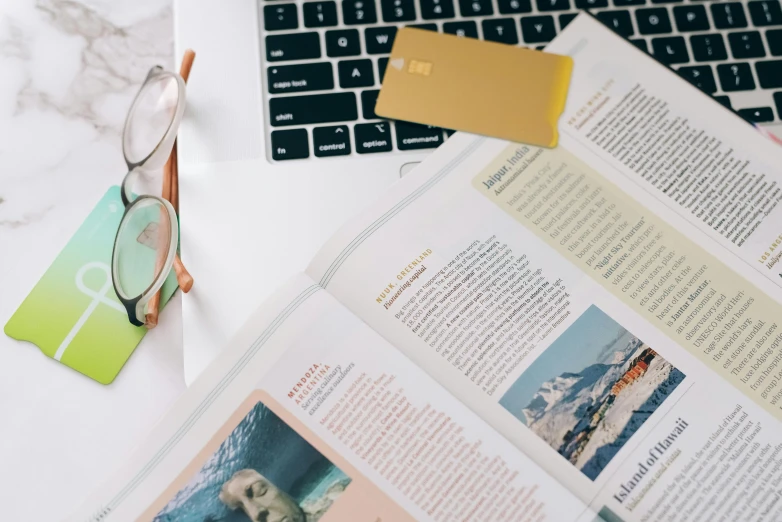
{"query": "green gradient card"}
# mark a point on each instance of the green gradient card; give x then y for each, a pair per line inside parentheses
(72, 313)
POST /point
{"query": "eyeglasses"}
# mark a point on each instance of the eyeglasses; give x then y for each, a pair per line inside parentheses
(145, 248)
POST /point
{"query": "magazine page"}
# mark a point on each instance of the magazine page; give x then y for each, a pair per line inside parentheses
(628, 353)
(310, 416)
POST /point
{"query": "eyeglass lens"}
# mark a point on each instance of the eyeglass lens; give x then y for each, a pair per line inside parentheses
(150, 117)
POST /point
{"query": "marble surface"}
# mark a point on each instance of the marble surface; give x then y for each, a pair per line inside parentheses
(68, 72)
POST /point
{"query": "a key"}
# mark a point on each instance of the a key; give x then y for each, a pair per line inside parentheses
(641, 44)
(619, 21)
(728, 15)
(538, 29)
(320, 14)
(382, 63)
(278, 17)
(653, 21)
(368, 101)
(565, 19)
(356, 12)
(379, 40)
(552, 5)
(355, 73)
(700, 76)
(757, 114)
(425, 27)
(331, 141)
(397, 10)
(691, 18)
(627, 3)
(774, 38)
(290, 144)
(591, 4)
(670, 50)
(769, 74)
(300, 78)
(778, 103)
(765, 12)
(342, 42)
(514, 6)
(724, 100)
(462, 29)
(502, 30)
(747, 44)
(436, 9)
(412, 136)
(314, 108)
(296, 46)
(735, 77)
(706, 47)
(373, 137)
(475, 7)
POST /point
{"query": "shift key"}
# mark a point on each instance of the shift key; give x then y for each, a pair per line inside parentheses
(314, 108)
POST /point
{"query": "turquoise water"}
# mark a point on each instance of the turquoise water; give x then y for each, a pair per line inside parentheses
(266, 444)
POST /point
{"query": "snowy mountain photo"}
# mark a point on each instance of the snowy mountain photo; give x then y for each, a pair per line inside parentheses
(591, 390)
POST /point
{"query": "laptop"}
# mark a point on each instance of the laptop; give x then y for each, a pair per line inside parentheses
(280, 144)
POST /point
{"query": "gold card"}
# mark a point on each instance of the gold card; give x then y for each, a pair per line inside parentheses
(475, 86)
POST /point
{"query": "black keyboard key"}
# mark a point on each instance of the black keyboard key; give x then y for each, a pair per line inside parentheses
(331, 141)
(774, 38)
(320, 14)
(619, 21)
(514, 6)
(757, 114)
(398, 10)
(670, 50)
(373, 137)
(691, 18)
(463, 29)
(475, 7)
(706, 47)
(424, 27)
(296, 46)
(502, 30)
(355, 73)
(746, 44)
(724, 100)
(343, 42)
(591, 4)
(641, 44)
(300, 78)
(666, 1)
(278, 17)
(735, 77)
(728, 15)
(538, 29)
(382, 63)
(368, 101)
(359, 12)
(778, 102)
(379, 40)
(627, 3)
(315, 108)
(290, 144)
(765, 12)
(653, 21)
(700, 76)
(565, 19)
(436, 9)
(412, 136)
(769, 74)
(553, 5)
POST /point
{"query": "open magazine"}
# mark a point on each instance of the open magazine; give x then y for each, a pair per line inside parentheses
(512, 333)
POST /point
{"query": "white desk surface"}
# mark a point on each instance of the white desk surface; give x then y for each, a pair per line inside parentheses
(61, 112)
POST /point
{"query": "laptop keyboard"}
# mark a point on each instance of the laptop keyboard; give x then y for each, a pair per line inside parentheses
(324, 60)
